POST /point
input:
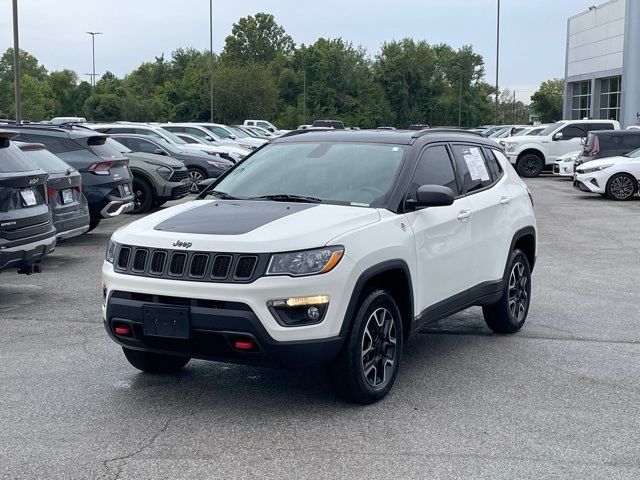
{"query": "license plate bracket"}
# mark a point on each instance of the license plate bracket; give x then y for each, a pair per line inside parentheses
(167, 322)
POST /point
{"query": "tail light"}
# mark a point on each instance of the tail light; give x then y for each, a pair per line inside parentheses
(78, 188)
(51, 192)
(101, 168)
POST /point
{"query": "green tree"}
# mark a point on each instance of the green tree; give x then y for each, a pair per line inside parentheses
(103, 107)
(244, 92)
(63, 85)
(256, 39)
(547, 101)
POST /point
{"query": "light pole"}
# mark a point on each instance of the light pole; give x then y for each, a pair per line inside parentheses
(497, 58)
(16, 62)
(93, 56)
(460, 100)
(304, 95)
(211, 61)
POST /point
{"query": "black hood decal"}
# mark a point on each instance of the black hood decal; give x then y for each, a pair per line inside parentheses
(230, 217)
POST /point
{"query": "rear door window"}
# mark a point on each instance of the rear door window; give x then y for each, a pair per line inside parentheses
(573, 131)
(472, 167)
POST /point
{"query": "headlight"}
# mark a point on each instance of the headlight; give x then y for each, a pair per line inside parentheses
(165, 172)
(111, 252)
(510, 146)
(248, 147)
(594, 169)
(307, 262)
(220, 165)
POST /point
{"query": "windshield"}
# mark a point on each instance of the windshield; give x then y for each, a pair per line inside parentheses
(522, 132)
(551, 128)
(172, 137)
(47, 161)
(351, 173)
(634, 154)
(239, 132)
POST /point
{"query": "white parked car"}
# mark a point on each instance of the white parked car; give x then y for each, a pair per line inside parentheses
(564, 165)
(270, 127)
(531, 154)
(615, 177)
(235, 153)
(323, 250)
(223, 133)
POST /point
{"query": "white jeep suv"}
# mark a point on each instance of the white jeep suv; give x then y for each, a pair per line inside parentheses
(326, 248)
(531, 154)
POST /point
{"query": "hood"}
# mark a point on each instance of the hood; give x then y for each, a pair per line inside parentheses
(603, 161)
(569, 157)
(160, 160)
(246, 226)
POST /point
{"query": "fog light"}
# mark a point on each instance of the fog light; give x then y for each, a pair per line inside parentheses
(299, 311)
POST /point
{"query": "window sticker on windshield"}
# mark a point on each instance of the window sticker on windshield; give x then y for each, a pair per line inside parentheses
(475, 164)
(395, 149)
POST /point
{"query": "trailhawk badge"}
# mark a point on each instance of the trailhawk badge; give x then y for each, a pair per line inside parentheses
(182, 244)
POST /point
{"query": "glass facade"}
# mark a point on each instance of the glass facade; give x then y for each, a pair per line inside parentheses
(610, 93)
(581, 100)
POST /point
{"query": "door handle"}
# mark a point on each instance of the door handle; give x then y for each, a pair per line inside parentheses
(505, 200)
(464, 214)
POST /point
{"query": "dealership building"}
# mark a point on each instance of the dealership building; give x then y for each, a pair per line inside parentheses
(602, 71)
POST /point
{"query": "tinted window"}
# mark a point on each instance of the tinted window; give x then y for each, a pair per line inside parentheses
(197, 132)
(13, 160)
(46, 160)
(100, 147)
(472, 167)
(599, 126)
(188, 139)
(493, 164)
(53, 144)
(139, 145)
(573, 131)
(434, 168)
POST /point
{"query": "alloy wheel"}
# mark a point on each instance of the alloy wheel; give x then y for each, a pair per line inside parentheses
(195, 176)
(379, 350)
(622, 187)
(518, 292)
(529, 166)
(139, 198)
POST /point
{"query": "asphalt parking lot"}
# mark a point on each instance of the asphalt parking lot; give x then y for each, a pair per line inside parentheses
(561, 399)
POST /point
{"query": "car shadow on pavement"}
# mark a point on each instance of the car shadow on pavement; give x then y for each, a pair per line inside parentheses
(203, 386)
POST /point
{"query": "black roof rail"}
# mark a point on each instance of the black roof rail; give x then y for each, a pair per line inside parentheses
(420, 133)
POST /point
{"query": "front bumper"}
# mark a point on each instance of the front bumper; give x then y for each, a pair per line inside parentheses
(214, 326)
(244, 311)
(513, 158)
(589, 183)
(563, 169)
(28, 254)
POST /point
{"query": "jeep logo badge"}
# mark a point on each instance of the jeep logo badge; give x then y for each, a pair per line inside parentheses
(32, 181)
(182, 244)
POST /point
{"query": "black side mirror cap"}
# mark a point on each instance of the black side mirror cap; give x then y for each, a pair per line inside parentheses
(431, 196)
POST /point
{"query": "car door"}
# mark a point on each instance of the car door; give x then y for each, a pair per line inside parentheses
(570, 141)
(490, 201)
(442, 234)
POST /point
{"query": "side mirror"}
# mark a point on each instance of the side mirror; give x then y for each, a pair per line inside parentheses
(432, 196)
(232, 137)
(159, 151)
(558, 136)
(209, 138)
(272, 130)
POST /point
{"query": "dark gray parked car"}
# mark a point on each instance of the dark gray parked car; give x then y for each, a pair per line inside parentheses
(69, 207)
(106, 179)
(200, 165)
(27, 233)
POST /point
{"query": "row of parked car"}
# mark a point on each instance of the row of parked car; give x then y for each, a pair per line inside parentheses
(61, 179)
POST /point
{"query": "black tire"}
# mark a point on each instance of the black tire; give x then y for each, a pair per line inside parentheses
(93, 223)
(621, 186)
(352, 380)
(142, 195)
(154, 362)
(509, 313)
(159, 203)
(530, 165)
(195, 175)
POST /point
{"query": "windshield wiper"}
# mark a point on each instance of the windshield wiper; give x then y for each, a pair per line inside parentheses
(282, 197)
(222, 195)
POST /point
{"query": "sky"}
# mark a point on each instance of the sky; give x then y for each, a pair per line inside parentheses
(532, 44)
